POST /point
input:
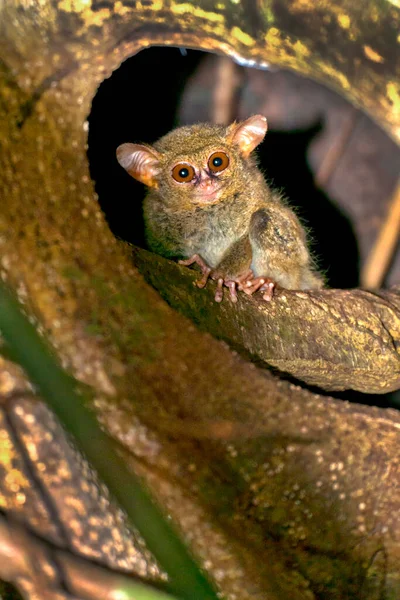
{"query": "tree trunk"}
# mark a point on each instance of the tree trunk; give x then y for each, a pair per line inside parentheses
(280, 493)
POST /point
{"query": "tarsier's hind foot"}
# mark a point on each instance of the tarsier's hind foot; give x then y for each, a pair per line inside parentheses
(262, 284)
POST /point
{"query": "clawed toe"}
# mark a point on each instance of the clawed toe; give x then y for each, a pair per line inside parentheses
(232, 290)
(230, 284)
(262, 284)
(252, 285)
(219, 294)
(268, 290)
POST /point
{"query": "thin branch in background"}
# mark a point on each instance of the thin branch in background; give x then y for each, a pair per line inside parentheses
(228, 81)
(336, 150)
(378, 262)
(379, 259)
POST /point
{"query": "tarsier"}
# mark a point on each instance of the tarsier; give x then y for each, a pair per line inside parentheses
(208, 203)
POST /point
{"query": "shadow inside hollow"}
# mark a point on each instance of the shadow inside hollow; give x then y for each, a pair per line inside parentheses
(137, 103)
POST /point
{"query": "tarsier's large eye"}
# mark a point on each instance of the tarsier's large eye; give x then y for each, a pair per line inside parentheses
(183, 173)
(218, 161)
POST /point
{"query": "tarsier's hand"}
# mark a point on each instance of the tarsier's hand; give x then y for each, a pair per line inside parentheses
(245, 282)
(205, 269)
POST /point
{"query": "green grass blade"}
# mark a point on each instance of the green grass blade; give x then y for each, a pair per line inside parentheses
(59, 390)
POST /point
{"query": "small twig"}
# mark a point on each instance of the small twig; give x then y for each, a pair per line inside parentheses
(378, 261)
(335, 150)
(225, 92)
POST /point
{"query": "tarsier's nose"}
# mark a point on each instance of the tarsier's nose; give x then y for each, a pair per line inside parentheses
(206, 182)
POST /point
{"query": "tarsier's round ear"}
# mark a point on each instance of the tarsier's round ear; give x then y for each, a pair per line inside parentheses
(141, 162)
(248, 134)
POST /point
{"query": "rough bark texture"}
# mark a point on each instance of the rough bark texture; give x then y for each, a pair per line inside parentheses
(280, 492)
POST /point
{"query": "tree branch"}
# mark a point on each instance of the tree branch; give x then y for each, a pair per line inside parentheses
(335, 339)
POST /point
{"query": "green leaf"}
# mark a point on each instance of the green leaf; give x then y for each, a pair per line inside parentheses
(60, 391)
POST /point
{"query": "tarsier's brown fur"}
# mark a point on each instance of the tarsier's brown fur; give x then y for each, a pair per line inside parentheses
(230, 222)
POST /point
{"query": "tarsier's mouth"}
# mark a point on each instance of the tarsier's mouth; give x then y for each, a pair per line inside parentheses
(210, 196)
